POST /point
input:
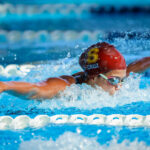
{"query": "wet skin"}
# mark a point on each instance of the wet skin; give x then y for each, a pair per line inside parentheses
(105, 85)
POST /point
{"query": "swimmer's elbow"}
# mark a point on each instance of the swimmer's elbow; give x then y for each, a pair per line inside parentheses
(50, 88)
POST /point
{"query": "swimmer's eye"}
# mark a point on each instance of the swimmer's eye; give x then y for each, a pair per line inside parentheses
(123, 79)
(112, 80)
(116, 80)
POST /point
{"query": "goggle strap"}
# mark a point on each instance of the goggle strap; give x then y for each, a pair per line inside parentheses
(103, 76)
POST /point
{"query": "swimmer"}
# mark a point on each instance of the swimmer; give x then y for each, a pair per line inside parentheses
(103, 66)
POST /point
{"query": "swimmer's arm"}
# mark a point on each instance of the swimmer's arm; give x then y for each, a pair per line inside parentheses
(42, 90)
(139, 65)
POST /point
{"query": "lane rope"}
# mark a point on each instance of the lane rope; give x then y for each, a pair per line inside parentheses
(24, 121)
(43, 35)
(65, 9)
(46, 8)
(85, 35)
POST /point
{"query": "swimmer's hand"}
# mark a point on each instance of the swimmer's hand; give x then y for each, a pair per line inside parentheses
(139, 65)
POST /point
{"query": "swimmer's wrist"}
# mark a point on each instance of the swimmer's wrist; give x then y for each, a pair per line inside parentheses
(3, 86)
(6, 87)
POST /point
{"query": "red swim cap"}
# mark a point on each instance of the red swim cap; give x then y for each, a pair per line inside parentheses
(101, 58)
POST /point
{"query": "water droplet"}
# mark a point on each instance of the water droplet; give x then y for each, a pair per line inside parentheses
(99, 131)
(78, 130)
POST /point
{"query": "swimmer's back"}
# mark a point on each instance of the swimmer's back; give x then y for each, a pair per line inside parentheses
(77, 78)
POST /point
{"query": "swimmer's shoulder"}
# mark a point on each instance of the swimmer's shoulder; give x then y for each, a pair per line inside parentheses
(77, 78)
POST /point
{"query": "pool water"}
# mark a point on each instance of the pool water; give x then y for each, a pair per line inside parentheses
(133, 98)
(52, 54)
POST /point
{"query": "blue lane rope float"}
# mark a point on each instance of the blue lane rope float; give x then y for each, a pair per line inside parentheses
(24, 121)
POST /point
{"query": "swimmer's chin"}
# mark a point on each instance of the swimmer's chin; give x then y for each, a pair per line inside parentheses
(101, 90)
(113, 93)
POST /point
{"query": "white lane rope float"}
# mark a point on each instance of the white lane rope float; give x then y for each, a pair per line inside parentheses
(15, 70)
(24, 121)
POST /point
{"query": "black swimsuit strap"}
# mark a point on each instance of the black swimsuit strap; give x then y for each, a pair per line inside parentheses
(79, 78)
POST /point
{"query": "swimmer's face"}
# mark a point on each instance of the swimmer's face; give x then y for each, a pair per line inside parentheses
(111, 89)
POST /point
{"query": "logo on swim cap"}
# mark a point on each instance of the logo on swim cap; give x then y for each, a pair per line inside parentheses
(101, 58)
(92, 66)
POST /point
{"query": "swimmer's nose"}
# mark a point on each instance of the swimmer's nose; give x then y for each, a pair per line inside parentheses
(119, 85)
(116, 88)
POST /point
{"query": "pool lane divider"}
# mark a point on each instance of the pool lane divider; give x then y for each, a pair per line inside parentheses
(62, 9)
(69, 35)
(24, 121)
(65, 9)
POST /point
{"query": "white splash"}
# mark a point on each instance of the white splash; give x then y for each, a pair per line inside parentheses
(85, 97)
(74, 141)
(82, 96)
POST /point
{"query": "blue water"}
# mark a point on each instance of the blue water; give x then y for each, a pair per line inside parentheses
(52, 58)
(76, 103)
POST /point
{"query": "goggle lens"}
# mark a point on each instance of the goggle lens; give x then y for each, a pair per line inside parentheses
(115, 80)
(112, 80)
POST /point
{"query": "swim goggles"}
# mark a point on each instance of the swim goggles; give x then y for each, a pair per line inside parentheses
(112, 80)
